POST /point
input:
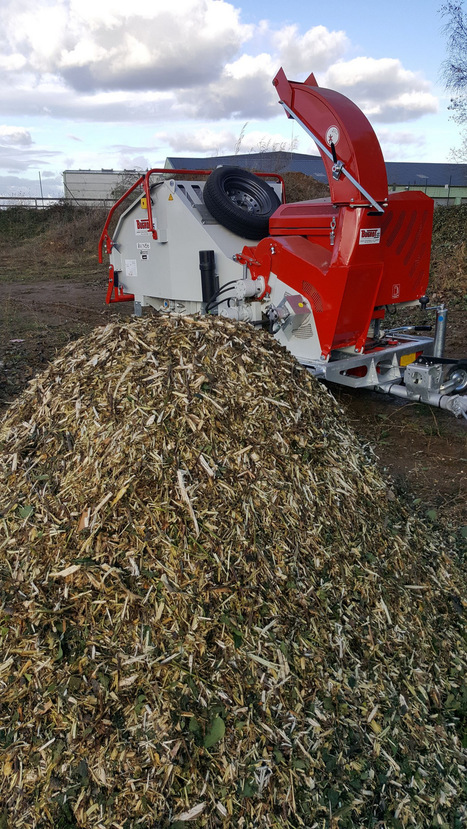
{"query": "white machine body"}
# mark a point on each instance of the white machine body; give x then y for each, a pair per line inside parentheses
(164, 272)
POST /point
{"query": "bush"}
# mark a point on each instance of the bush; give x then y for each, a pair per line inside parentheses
(448, 273)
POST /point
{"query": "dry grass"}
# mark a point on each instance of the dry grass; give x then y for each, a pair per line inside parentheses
(299, 187)
(57, 242)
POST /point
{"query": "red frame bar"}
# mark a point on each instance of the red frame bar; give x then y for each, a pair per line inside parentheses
(104, 235)
(111, 287)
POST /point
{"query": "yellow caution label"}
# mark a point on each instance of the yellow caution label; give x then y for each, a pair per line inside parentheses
(406, 359)
(171, 198)
(144, 203)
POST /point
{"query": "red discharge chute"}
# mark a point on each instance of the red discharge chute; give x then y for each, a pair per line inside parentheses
(332, 119)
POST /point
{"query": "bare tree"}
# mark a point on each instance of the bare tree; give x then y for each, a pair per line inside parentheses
(125, 181)
(454, 69)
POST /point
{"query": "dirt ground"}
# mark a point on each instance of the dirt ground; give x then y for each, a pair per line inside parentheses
(423, 450)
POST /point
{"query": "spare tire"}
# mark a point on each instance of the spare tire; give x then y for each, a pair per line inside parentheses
(240, 201)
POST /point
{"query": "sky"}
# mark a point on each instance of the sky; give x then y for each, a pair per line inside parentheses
(115, 84)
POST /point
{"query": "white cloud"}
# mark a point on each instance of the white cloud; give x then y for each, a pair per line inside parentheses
(399, 145)
(212, 142)
(15, 136)
(257, 141)
(117, 45)
(86, 52)
(317, 49)
(398, 138)
(16, 159)
(170, 65)
(243, 90)
(205, 140)
(405, 107)
(12, 63)
(13, 185)
(114, 60)
(248, 66)
(382, 88)
(128, 161)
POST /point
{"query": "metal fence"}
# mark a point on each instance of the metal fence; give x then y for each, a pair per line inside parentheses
(38, 203)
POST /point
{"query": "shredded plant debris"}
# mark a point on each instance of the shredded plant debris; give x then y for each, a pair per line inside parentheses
(214, 610)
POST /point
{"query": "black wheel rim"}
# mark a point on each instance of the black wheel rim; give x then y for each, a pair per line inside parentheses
(248, 196)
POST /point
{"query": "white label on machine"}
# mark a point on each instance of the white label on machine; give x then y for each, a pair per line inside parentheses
(370, 236)
(141, 226)
(144, 248)
(130, 267)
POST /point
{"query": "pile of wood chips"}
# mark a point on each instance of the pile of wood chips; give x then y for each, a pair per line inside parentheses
(213, 610)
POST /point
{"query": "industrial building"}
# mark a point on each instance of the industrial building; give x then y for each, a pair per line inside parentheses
(97, 187)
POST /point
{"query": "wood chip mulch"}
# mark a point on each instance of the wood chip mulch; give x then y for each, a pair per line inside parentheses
(214, 612)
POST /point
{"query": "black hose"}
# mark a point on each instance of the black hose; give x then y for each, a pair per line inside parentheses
(212, 301)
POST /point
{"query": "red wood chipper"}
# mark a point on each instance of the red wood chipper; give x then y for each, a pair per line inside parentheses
(323, 275)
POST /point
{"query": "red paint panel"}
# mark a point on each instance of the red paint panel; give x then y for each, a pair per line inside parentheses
(376, 260)
(406, 247)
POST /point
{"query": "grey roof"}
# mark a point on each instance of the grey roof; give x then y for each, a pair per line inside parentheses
(421, 173)
(270, 162)
(399, 172)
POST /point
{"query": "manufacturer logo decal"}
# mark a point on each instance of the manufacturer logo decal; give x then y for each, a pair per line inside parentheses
(141, 226)
(370, 236)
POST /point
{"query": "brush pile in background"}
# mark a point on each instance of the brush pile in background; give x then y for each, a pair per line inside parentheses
(213, 610)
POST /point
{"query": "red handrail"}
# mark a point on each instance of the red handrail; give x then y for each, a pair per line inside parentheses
(104, 235)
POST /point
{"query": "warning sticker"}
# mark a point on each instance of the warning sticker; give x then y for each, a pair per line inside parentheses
(130, 268)
(141, 226)
(332, 135)
(370, 236)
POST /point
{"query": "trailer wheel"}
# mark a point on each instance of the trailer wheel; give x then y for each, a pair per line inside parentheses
(459, 374)
(240, 201)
